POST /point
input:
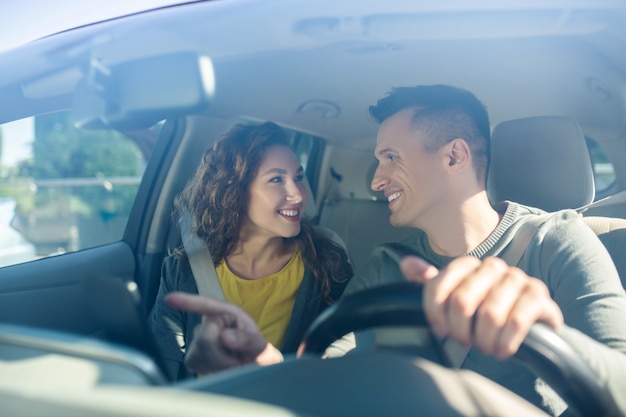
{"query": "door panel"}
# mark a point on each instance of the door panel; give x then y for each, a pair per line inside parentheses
(48, 292)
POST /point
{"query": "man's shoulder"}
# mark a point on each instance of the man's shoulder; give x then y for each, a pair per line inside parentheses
(523, 211)
(559, 219)
(562, 231)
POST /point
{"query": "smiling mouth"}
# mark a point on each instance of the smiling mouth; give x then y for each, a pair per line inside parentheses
(289, 213)
(393, 197)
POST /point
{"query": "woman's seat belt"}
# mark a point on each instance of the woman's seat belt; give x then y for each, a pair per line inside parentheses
(200, 260)
(202, 264)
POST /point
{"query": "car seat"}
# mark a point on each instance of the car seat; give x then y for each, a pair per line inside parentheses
(544, 162)
(311, 213)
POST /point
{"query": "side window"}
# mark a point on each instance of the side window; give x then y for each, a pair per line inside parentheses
(64, 189)
(604, 175)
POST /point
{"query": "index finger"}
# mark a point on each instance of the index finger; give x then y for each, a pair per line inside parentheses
(417, 270)
(199, 304)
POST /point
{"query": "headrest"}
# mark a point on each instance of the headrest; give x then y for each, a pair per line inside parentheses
(541, 162)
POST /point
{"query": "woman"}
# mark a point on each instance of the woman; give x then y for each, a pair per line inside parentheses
(247, 199)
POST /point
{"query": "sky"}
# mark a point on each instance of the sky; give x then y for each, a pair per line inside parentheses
(22, 21)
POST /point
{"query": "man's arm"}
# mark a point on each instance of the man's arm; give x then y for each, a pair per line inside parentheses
(585, 284)
(491, 306)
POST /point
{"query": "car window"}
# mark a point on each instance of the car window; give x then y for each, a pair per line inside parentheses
(603, 172)
(65, 188)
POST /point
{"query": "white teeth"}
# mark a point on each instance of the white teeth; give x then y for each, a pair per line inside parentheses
(393, 197)
(289, 213)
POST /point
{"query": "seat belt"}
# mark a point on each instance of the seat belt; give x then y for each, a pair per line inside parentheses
(202, 264)
(200, 260)
(519, 244)
(455, 351)
(617, 198)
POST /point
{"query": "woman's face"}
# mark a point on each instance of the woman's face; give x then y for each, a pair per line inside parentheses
(277, 194)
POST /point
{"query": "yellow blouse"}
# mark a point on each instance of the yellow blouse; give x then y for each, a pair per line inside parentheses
(268, 300)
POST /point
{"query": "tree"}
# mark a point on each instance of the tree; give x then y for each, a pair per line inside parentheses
(61, 151)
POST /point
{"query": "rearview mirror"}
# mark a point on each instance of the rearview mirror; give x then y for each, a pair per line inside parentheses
(137, 94)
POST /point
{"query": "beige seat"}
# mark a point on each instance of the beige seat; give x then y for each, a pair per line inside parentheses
(311, 213)
(612, 232)
(362, 224)
(544, 162)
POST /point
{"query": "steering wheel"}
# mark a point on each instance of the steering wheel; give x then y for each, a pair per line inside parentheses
(545, 353)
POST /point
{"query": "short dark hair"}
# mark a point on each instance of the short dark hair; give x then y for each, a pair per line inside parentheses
(443, 113)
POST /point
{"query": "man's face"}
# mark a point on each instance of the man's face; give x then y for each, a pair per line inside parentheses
(412, 179)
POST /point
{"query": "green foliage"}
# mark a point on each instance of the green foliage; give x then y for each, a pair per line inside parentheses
(22, 194)
(61, 151)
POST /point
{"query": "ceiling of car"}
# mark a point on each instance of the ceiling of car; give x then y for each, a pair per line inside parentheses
(521, 58)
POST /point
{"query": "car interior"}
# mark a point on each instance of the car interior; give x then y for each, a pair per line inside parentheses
(72, 333)
(528, 174)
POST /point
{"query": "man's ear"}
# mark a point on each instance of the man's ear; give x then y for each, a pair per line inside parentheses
(458, 155)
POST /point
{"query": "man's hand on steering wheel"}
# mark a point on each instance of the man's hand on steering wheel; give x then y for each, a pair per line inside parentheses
(485, 304)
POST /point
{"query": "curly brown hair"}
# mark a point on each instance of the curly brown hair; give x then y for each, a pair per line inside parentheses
(217, 199)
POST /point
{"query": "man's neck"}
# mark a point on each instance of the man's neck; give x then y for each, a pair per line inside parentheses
(460, 228)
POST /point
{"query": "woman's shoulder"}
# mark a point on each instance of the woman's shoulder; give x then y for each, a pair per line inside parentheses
(177, 271)
(175, 259)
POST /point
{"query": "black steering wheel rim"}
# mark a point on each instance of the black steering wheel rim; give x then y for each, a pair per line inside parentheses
(544, 352)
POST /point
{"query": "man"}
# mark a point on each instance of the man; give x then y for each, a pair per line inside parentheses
(433, 155)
